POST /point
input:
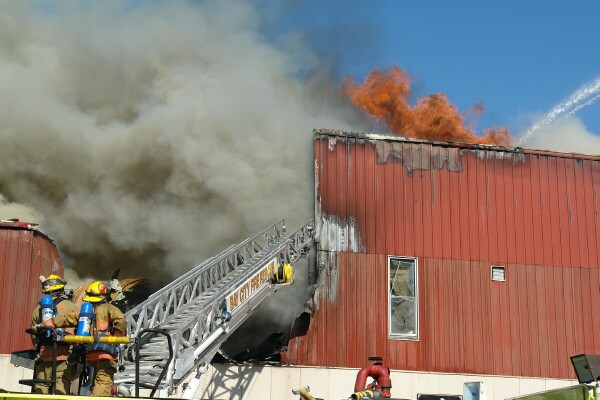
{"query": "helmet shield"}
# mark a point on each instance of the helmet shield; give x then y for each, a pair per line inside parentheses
(53, 284)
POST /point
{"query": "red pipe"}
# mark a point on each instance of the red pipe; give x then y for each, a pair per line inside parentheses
(380, 374)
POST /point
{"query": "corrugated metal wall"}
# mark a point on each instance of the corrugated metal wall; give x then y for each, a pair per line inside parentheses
(24, 255)
(459, 209)
(527, 326)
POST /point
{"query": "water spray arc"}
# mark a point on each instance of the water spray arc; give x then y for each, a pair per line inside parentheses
(582, 97)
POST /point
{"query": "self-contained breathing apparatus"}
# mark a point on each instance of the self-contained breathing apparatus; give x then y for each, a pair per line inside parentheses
(97, 293)
(85, 341)
(47, 308)
(88, 328)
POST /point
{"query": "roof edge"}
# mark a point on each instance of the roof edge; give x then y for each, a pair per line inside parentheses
(14, 223)
(488, 147)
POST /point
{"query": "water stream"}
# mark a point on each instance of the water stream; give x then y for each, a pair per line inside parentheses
(582, 97)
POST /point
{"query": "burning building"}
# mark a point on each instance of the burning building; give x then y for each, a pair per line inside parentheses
(453, 258)
(456, 262)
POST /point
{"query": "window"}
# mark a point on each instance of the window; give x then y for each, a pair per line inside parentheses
(403, 303)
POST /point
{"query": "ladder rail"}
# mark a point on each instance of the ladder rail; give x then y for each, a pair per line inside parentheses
(166, 302)
(192, 308)
(191, 335)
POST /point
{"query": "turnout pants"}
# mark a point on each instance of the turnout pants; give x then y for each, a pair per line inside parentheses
(104, 372)
(65, 375)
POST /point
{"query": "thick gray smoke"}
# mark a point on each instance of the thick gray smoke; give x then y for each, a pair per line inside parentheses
(152, 136)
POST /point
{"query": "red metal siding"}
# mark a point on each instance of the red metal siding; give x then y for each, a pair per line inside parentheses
(470, 203)
(459, 209)
(25, 254)
(527, 326)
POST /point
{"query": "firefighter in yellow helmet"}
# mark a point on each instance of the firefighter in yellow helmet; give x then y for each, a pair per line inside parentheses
(65, 316)
(109, 321)
(284, 273)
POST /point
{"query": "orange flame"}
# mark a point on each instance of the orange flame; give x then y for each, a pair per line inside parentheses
(385, 96)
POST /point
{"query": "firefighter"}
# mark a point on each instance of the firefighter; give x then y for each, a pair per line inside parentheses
(109, 321)
(284, 273)
(65, 316)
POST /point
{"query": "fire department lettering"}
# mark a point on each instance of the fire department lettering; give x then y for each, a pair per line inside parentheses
(249, 287)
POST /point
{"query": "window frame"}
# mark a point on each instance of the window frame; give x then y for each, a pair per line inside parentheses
(402, 336)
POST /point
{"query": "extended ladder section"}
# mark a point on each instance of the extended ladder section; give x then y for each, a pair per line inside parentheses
(200, 309)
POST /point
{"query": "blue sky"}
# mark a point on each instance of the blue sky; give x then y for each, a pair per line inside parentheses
(520, 58)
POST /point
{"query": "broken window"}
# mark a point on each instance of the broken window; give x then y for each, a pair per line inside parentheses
(403, 298)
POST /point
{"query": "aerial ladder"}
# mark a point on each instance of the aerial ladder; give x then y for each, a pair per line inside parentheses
(178, 330)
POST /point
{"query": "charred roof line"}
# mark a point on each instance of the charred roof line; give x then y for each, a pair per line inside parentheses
(487, 147)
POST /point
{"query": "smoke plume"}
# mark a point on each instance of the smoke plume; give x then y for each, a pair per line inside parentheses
(569, 135)
(25, 212)
(385, 95)
(151, 136)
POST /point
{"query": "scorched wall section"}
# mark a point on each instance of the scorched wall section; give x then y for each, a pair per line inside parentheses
(470, 203)
(459, 209)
